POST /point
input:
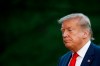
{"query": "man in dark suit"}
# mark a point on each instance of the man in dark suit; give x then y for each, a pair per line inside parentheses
(77, 35)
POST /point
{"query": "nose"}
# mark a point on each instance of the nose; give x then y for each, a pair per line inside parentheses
(65, 34)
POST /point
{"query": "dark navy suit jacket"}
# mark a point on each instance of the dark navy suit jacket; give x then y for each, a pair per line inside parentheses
(91, 58)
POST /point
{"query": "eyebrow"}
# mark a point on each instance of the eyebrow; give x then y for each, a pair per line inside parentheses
(65, 28)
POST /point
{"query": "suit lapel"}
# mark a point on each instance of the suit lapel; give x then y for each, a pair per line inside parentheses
(67, 59)
(89, 56)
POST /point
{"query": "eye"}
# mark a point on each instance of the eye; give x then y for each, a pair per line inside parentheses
(70, 30)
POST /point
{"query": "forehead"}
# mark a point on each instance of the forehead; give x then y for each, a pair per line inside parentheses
(70, 23)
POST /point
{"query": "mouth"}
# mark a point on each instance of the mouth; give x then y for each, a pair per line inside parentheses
(66, 41)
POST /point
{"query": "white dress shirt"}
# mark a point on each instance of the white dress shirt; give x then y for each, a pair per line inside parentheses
(82, 53)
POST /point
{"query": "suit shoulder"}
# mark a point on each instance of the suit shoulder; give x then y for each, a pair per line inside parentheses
(66, 55)
(97, 49)
(63, 59)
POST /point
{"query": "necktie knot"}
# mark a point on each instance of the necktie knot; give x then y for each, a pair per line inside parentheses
(75, 55)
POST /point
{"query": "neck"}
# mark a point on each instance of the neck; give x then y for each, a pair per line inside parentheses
(80, 46)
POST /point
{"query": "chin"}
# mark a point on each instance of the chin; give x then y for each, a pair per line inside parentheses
(67, 45)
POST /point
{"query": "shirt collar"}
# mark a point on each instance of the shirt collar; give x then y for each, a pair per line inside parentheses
(83, 50)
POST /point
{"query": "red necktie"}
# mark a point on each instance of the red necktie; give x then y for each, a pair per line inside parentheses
(73, 59)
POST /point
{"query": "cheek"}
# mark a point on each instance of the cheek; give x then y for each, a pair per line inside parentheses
(77, 37)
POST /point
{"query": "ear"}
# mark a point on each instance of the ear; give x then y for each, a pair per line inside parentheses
(85, 34)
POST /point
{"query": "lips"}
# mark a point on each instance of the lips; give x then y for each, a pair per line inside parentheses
(67, 41)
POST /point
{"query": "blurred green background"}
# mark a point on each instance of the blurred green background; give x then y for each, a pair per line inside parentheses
(30, 34)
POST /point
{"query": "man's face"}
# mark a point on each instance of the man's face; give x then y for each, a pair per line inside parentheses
(72, 33)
